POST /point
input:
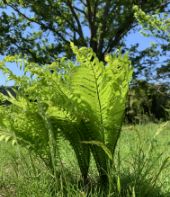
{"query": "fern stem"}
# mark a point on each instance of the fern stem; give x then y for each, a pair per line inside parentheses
(52, 143)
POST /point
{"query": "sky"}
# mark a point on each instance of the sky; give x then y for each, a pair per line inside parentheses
(131, 39)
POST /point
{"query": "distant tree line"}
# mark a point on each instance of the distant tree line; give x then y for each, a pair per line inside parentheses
(148, 102)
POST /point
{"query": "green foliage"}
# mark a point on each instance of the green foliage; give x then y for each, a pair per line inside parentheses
(42, 30)
(147, 102)
(84, 101)
(157, 25)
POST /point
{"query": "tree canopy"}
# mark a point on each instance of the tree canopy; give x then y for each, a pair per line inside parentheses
(42, 29)
(159, 27)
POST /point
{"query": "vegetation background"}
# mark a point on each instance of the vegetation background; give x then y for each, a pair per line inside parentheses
(40, 32)
(103, 25)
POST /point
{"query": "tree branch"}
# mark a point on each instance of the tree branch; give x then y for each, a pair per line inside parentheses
(83, 3)
(79, 10)
(39, 23)
(125, 27)
(92, 26)
(80, 31)
(103, 28)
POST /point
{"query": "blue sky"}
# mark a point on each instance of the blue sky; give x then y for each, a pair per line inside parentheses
(132, 38)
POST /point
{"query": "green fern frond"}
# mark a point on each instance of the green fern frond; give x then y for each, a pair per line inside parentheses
(83, 102)
(104, 88)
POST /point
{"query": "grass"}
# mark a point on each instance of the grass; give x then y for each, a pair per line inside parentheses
(141, 163)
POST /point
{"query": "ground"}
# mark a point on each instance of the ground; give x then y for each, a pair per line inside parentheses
(141, 157)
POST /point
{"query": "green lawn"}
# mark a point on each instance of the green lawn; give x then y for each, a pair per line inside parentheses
(140, 157)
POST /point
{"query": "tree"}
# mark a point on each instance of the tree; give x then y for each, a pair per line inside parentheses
(150, 101)
(42, 29)
(157, 26)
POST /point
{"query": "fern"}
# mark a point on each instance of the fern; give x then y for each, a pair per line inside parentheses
(83, 103)
(104, 88)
